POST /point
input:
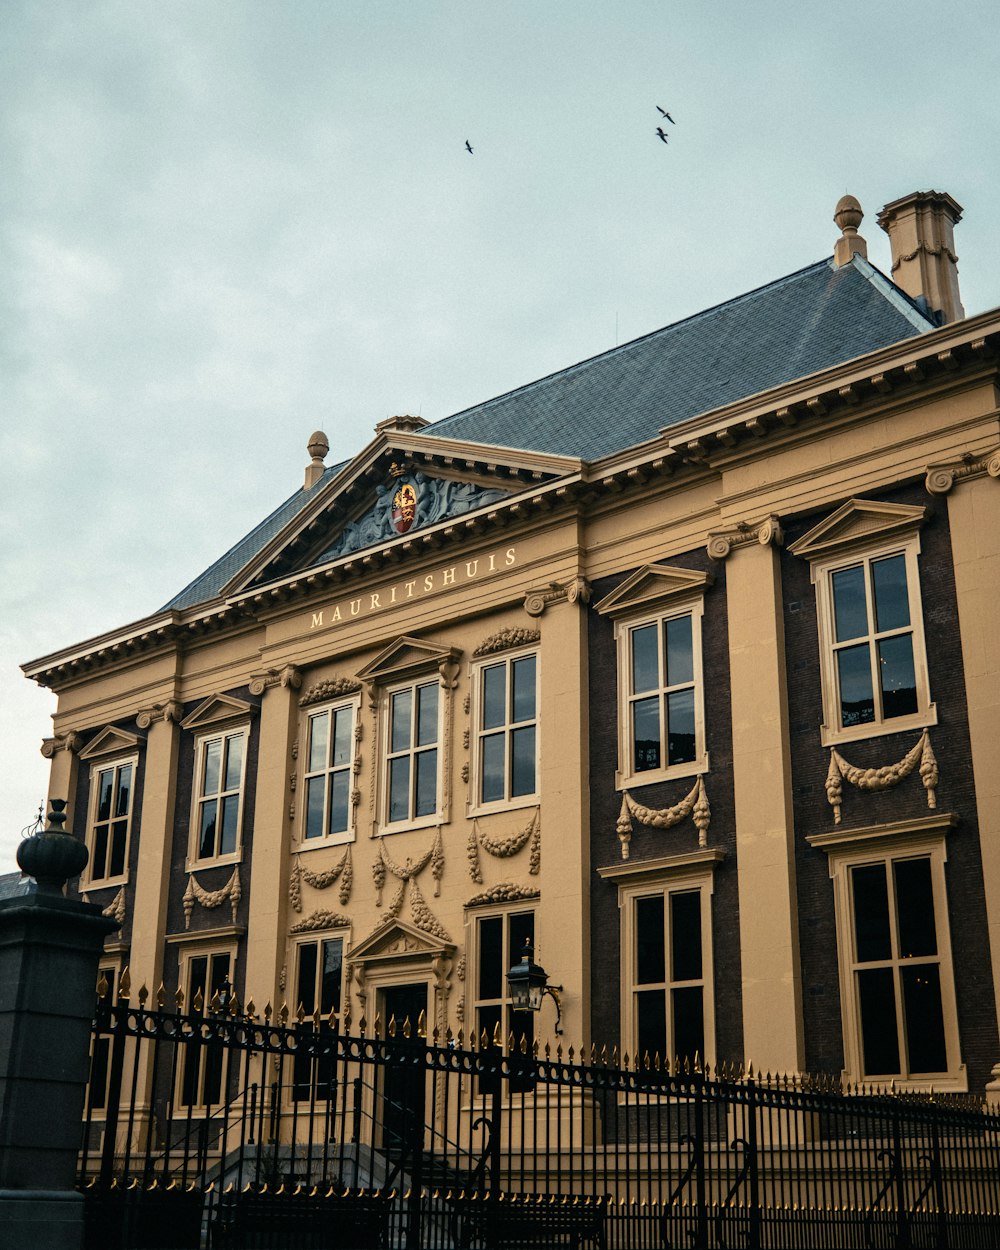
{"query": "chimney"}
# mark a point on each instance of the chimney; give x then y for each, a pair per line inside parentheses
(921, 230)
(848, 217)
(317, 447)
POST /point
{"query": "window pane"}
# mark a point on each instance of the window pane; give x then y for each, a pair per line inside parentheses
(652, 1023)
(523, 698)
(646, 734)
(680, 727)
(523, 762)
(491, 969)
(210, 769)
(494, 696)
(645, 670)
(342, 728)
(685, 936)
(220, 971)
(689, 1023)
(99, 864)
(305, 992)
(849, 609)
(857, 703)
(198, 977)
(124, 790)
(892, 603)
(333, 959)
(234, 762)
(871, 913)
(879, 1040)
(319, 732)
(427, 714)
(650, 964)
(924, 1018)
(105, 781)
(915, 908)
(493, 767)
(206, 837)
(427, 763)
(679, 651)
(230, 811)
(340, 797)
(315, 787)
(399, 788)
(899, 682)
(402, 707)
(521, 928)
(119, 829)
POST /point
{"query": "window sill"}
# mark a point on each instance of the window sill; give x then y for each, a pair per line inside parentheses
(899, 724)
(519, 804)
(406, 826)
(677, 772)
(318, 844)
(104, 883)
(941, 1083)
(203, 865)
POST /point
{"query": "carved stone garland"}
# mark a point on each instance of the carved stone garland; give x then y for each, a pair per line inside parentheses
(504, 892)
(504, 848)
(504, 639)
(883, 778)
(211, 899)
(344, 872)
(406, 874)
(115, 909)
(320, 920)
(332, 688)
(694, 804)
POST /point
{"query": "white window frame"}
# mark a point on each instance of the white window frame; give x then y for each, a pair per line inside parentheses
(302, 843)
(475, 806)
(626, 776)
(832, 732)
(437, 817)
(191, 952)
(89, 881)
(195, 863)
(915, 839)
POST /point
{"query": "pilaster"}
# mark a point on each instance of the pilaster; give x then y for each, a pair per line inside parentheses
(62, 750)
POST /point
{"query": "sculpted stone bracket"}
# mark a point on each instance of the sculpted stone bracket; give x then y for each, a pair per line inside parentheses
(883, 778)
(506, 638)
(942, 477)
(70, 741)
(693, 804)
(343, 871)
(504, 848)
(767, 533)
(332, 688)
(286, 677)
(211, 899)
(575, 591)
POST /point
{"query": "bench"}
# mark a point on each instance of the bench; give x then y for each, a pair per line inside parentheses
(351, 1220)
(511, 1221)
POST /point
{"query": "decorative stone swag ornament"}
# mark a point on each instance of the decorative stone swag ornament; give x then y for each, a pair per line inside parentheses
(344, 872)
(210, 899)
(320, 920)
(115, 909)
(504, 892)
(406, 874)
(883, 778)
(504, 848)
(695, 803)
(332, 688)
(505, 639)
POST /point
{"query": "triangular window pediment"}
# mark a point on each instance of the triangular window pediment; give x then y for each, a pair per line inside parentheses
(111, 741)
(405, 656)
(654, 584)
(397, 940)
(859, 522)
(217, 709)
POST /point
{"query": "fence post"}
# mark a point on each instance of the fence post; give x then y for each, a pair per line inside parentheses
(50, 947)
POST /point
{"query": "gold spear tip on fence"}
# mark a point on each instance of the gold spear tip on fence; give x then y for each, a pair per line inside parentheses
(199, 999)
(300, 1012)
(143, 994)
(377, 1023)
(497, 1036)
(422, 1025)
(160, 997)
(407, 1028)
(268, 1009)
(524, 1043)
(179, 999)
(569, 1054)
(391, 1029)
(448, 1038)
(283, 1013)
(614, 1055)
(697, 1062)
(124, 984)
(215, 1002)
(102, 985)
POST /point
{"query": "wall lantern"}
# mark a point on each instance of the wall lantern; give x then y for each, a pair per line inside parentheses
(528, 983)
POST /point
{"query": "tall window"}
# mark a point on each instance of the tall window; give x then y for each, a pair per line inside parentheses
(111, 816)
(668, 990)
(218, 795)
(319, 980)
(500, 943)
(100, 1055)
(506, 730)
(412, 756)
(329, 759)
(203, 1063)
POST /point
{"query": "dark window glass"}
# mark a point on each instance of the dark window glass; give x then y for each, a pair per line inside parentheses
(234, 763)
(314, 806)
(685, 936)
(915, 908)
(650, 966)
(124, 790)
(899, 681)
(857, 702)
(849, 608)
(494, 696)
(491, 968)
(402, 707)
(427, 714)
(645, 670)
(493, 767)
(871, 913)
(230, 811)
(521, 929)
(689, 1023)
(879, 1039)
(680, 727)
(522, 779)
(892, 603)
(318, 742)
(99, 868)
(646, 734)
(426, 796)
(679, 651)
(652, 1023)
(399, 788)
(333, 961)
(119, 829)
(210, 771)
(105, 784)
(306, 996)
(523, 696)
(213, 1053)
(924, 1018)
(342, 737)
(206, 837)
(340, 797)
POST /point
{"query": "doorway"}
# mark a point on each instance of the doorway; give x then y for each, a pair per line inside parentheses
(403, 1082)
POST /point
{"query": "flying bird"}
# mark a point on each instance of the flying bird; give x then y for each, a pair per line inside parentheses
(662, 133)
(664, 113)
(468, 146)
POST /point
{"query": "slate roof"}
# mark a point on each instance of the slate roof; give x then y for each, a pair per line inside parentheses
(808, 321)
(14, 885)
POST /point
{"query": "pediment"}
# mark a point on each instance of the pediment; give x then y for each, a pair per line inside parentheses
(398, 940)
(217, 709)
(653, 584)
(859, 522)
(408, 655)
(112, 741)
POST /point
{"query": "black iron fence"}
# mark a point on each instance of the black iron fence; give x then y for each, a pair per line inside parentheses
(225, 1129)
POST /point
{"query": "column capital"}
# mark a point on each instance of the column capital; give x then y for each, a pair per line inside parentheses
(767, 533)
(286, 677)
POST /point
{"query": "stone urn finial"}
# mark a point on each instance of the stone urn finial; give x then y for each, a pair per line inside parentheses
(848, 215)
(52, 856)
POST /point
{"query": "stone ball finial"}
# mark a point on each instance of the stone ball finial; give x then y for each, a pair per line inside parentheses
(52, 856)
(318, 445)
(848, 214)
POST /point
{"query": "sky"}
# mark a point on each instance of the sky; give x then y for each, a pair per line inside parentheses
(225, 224)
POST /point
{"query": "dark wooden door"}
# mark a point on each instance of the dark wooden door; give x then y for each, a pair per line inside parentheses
(401, 1102)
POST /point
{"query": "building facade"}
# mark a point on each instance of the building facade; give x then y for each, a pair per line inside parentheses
(677, 664)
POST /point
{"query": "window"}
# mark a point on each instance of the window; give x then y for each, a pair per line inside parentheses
(202, 1064)
(218, 796)
(500, 943)
(412, 759)
(328, 811)
(111, 787)
(100, 1055)
(319, 986)
(897, 987)
(506, 720)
